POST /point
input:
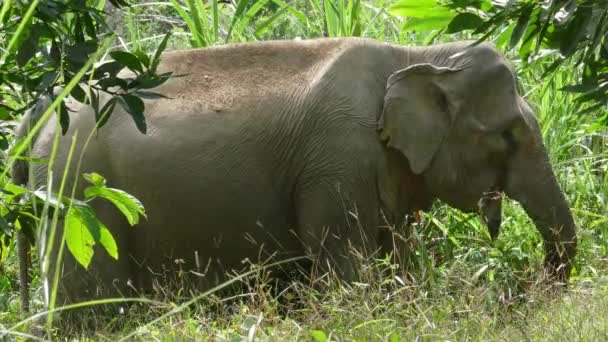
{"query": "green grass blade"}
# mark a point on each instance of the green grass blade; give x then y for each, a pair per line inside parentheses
(265, 26)
(195, 41)
(25, 21)
(302, 18)
(133, 30)
(236, 17)
(5, 7)
(253, 10)
(216, 24)
(197, 9)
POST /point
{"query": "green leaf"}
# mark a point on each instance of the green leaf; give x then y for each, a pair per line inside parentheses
(28, 48)
(576, 30)
(147, 81)
(128, 205)
(4, 225)
(578, 88)
(81, 226)
(64, 117)
(159, 51)
(143, 58)
(79, 94)
(95, 178)
(127, 59)
(428, 24)
(415, 8)
(135, 107)
(102, 116)
(504, 35)
(520, 27)
(110, 82)
(464, 21)
(319, 335)
(5, 112)
(111, 68)
(150, 95)
(14, 189)
(79, 53)
(107, 241)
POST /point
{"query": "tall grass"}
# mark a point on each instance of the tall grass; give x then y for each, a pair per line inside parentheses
(463, 286)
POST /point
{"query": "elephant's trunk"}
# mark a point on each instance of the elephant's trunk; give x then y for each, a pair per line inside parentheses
(531, 182)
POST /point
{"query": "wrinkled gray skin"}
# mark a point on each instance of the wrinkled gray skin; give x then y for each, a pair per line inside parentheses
(289, 148)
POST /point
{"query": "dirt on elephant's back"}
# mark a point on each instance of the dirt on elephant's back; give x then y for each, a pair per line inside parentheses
(223, 76)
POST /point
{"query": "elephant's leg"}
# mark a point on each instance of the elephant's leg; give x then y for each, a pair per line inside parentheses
(336, 229)
(105, 276)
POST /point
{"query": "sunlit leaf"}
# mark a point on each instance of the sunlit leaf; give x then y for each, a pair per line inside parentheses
(81, 226)
(128, 205)
(416, 8)
(428, 24)
(95, 178)
(107, 241)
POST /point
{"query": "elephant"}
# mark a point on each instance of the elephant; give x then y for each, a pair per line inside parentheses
(279, 149)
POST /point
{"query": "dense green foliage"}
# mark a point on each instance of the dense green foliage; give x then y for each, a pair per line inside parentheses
(560, 31)
(463, 286)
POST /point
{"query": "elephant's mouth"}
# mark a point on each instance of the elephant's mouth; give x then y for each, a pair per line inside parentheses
(490, 205)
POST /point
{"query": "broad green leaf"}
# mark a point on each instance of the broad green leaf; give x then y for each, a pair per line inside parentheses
(127, 59)
(107, 241)
(128, 205)
(111, 68)
(464, 21)
(428, 24)
(501, 41)
(143, 58)
(14, 189)
(78, 226)
(416, 8)
(135, 107)
(520, 27)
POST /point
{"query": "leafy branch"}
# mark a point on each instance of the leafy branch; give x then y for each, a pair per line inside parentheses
(554, 31)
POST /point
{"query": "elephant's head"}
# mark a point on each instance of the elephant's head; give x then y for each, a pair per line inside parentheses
(463, 127)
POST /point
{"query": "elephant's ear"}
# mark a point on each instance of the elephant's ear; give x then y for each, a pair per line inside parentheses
(418, 109)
